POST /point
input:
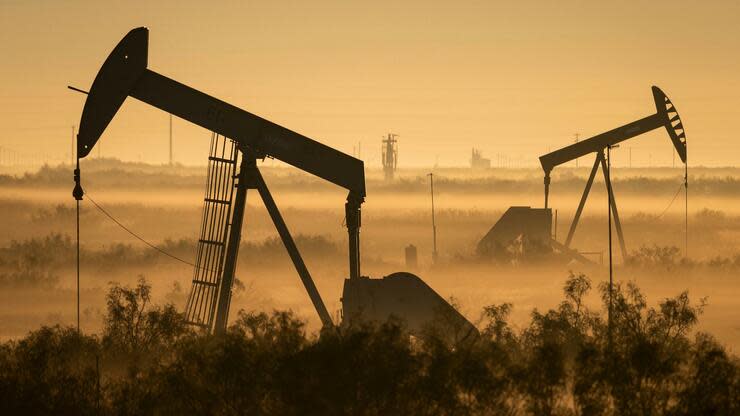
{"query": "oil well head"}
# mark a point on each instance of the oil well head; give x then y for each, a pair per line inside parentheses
(671, 121)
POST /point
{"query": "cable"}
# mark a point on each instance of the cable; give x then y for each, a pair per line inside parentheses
(686, 207)
(172, 256)
(671, 203)
(78, 196)
(78, 193)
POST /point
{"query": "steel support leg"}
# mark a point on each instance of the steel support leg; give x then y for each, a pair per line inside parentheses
(617, 223)
(582, 204)
(248, 163)
(295, 255)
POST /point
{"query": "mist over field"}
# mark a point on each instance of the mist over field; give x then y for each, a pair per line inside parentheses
(459, 288)
(163, 205)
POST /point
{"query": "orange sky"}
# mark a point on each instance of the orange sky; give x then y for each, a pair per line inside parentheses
(515, 79)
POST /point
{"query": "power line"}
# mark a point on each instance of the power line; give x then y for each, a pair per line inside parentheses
(672, 200)
(138, 237)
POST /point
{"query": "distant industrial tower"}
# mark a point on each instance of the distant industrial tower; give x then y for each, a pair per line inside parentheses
(477, 161)
(390, 156)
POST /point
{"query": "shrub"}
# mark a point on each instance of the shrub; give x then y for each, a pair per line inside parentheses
(568, 360)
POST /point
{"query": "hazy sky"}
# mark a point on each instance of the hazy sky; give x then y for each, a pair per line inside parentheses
(515, 78)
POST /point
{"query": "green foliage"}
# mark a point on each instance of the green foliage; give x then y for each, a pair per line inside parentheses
(567, 361)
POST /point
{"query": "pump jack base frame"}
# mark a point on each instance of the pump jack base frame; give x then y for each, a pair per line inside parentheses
(250, 177)
(599, 161)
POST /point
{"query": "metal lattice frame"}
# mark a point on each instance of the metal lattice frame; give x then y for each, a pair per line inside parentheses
(214, 232)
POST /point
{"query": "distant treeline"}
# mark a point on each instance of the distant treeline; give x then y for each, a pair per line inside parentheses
(631, 185)
(567, 361)
(36, 262)
(137, 176)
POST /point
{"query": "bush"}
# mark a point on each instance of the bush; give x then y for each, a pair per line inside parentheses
(51, 371)
(567, 361)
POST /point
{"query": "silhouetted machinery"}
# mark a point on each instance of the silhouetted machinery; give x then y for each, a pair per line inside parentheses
(518, 233)
(233, 165)
(534, 224)
(389, 156)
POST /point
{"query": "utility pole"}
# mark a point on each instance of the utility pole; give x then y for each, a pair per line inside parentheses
(686, 206)
(170, 139)
(434, 225)
(611, 265)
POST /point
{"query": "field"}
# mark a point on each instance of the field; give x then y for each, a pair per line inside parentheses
(163, 205)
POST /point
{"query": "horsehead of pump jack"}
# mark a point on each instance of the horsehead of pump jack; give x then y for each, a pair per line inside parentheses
(125, 73)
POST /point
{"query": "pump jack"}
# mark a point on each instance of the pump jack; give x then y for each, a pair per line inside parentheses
(666, 116)
(536, 223)
(125, 73)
